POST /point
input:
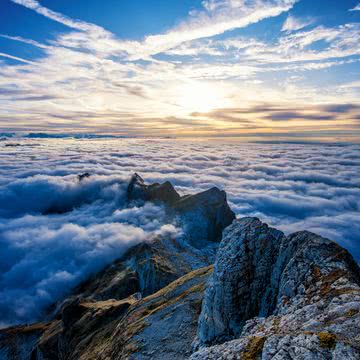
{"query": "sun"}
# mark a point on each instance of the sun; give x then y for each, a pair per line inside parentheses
(199, 97)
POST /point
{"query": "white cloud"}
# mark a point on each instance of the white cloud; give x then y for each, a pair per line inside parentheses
(356, 8)
(16, 58)
(89, 80)
(340, 42)
(218, 17)
(292, 23)
(42, 10)
(291, 186)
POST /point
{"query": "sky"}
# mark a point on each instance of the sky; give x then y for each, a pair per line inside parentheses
(279, 69)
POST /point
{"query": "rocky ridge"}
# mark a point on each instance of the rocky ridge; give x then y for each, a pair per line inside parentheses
(270, 296)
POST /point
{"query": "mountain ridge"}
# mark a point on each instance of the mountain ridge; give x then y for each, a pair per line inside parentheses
(264, 298)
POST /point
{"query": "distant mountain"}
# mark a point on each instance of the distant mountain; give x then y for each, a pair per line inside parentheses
(69, 135)
(267, 296)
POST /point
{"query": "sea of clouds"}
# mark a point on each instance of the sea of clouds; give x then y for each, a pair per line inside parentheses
(44, 254)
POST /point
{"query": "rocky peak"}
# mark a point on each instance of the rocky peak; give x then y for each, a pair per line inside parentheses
(293, 291)
(244, 264)
(138, 190)
(202, 216)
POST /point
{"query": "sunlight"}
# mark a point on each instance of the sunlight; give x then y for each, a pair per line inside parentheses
(199, 97)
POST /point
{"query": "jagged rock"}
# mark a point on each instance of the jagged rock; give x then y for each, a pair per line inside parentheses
(280, 297)
(137, 190)
(202, 216)
(243, 267)
(17, 343)
(83, 176)
(130, 328)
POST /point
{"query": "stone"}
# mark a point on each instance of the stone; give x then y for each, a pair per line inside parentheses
(299, 293)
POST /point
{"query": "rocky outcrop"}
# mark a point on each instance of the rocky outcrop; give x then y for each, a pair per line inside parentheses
(131, 328)
(17, 343)
(202, 216)
(163, 325)
(148, 267)
(280, 297)
(145, 268)
(138, 190)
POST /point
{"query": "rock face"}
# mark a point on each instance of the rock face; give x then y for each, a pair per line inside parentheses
(280, 297)
(204, 216)
(163, 325)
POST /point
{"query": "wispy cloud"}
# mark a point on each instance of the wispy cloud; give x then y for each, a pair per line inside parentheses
(16, 58)
(216, 18)
(292, 23)
(42, 10)
(25, 41)
(87, 78)
(356, 8)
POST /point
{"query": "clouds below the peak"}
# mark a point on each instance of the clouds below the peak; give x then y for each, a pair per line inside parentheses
(56, 231)
(290, 186)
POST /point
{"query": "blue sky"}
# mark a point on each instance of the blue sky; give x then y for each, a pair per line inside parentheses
(183, 68)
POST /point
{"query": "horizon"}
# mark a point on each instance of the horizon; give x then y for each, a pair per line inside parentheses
(277, 70)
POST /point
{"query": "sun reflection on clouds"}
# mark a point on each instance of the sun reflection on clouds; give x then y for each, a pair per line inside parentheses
(196, 96)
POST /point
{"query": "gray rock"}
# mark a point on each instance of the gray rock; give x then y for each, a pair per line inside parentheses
(280, 297)
(204, 216)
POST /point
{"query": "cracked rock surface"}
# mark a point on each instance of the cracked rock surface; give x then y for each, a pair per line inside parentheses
(278, 297)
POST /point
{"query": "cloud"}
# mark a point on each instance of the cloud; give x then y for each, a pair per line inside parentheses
(16, 58)
(338, 42)
(42, 10)
(356, 8)
(89, 80)
(292, 23)
(216, 18)
(44, 255)
(293, 186)
(25, 41)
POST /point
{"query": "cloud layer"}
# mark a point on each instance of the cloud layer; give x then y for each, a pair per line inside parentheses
(292, 186)
(44, 255)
